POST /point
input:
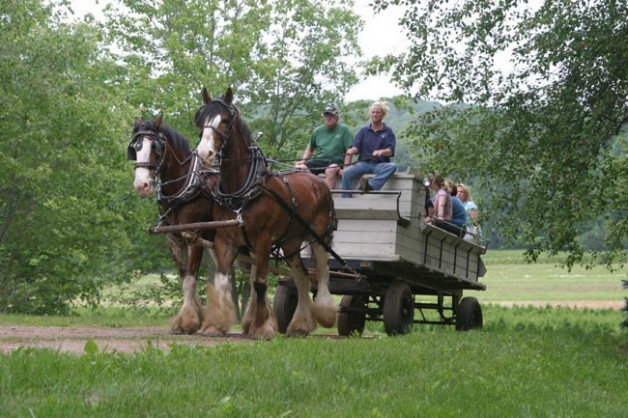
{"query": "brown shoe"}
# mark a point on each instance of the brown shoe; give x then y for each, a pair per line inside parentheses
(364, 185)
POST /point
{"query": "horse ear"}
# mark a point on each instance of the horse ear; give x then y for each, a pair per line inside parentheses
(158, 121)
(206, 97)
(137, 122)
(229, 95)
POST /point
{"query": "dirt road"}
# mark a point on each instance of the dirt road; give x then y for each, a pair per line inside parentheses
(130, 340)
(123, 340)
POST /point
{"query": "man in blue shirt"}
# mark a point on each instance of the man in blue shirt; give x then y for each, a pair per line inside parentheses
(375, 144)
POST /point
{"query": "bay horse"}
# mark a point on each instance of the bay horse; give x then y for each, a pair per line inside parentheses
(164, 155)
(277, 211)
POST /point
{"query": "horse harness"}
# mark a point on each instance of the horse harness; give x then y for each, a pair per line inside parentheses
(194, 184)
(253, 187)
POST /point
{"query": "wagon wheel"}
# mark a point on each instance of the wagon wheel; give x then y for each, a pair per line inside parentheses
(351, 322)
(284, 305)
(398, 309)
(468, 314)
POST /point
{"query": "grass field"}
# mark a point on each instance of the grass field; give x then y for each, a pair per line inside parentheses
(518, 366)
(526, 362)
(510, 279)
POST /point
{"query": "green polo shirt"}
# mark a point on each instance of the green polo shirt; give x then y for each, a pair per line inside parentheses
(331, 144)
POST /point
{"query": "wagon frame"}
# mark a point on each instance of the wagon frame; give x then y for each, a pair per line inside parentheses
(395, 265)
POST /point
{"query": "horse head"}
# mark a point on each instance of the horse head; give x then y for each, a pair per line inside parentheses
(215, 121)
(147, 148)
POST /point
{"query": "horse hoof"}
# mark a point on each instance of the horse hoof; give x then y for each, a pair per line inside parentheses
(212, 331)
(186, 322)
(182, 331)
(263, 333)
(246, 327)
(297, 333)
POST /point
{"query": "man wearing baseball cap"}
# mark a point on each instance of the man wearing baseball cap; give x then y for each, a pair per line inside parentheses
(328, 144)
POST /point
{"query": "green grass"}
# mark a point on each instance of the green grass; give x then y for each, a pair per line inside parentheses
(520, 368)
(105, 316)
(546, 282)
(525, 362)
(517, 257)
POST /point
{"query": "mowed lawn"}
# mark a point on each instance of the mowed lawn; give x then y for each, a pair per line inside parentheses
(510, 280)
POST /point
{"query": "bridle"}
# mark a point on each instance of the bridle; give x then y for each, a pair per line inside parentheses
(251, 186)
(224, 135)
(193, 182)
(160, 143)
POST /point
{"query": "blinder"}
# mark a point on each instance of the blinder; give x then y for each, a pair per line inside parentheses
(137, 143)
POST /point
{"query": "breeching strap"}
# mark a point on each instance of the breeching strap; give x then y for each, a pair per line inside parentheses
(319, 239)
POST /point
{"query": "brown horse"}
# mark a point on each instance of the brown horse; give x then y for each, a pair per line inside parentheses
(277, 211)
(163, 154)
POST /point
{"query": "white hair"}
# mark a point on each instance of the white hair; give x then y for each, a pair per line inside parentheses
(382, 105)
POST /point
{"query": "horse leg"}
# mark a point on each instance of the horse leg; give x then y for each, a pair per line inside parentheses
(325, 308)
(247, 318)
(220, 312)
(303, 321)
(187, 259)
(259, 320)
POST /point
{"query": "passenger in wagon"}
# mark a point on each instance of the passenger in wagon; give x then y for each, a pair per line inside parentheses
(458, 216)
(471, 209)
(443, 206)
(328, 144)
(375, 145)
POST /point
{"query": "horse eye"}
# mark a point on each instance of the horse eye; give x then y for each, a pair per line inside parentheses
(225, 121)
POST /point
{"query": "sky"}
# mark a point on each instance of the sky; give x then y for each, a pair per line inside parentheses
(381, 35)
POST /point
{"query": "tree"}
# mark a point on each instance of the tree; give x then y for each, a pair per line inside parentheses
(64, 212)
(549, 134)
(284, 59)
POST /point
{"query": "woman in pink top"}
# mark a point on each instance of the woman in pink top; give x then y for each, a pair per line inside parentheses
(443, 209)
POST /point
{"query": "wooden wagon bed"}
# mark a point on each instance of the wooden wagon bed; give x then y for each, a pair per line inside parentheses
(394, 264)
(387, 229)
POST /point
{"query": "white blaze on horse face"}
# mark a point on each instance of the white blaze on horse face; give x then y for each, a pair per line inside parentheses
(143, 183)
(208, 146)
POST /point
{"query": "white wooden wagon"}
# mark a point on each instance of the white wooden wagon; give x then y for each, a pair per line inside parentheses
(399, 266)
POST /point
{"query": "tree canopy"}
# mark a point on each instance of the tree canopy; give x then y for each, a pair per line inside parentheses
(64, 190)
(71, 88)
(284, 59)
(536, 111)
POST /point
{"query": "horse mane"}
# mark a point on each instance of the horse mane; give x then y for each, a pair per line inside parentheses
(244, 129)
(179, 141)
